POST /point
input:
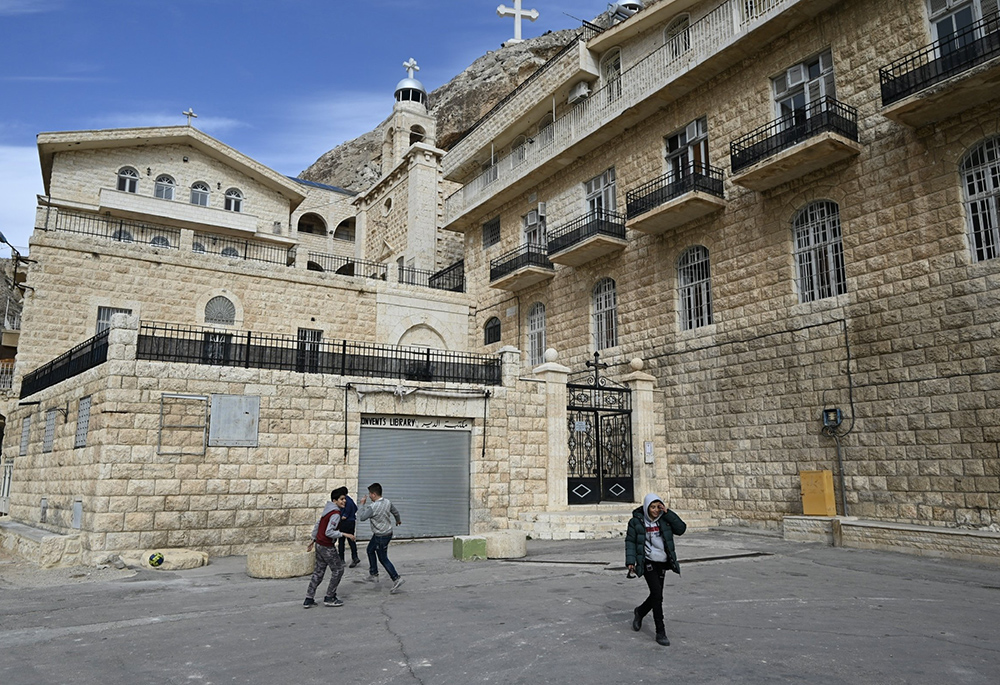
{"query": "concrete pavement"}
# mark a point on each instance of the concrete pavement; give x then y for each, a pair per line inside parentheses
(770, 612)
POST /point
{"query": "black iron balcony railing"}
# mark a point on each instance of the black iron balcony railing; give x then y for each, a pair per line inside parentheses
(194, 345)
(84, 356)
(528, 254)
(346, 266)
(701, 177)
(824, 115)
(449, 278)
(120, 230)
(238, 250)
(597, 222)
(941, 60)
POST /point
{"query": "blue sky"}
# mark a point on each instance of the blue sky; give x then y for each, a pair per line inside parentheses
(283, 81)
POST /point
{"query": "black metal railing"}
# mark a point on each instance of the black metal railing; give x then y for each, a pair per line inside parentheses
(941, 60)
(701, 177)
(528, 254)
(450, 278)
(120, 230)
(238, 249)
(826, 114)
(84, 356)
(248, 349)
(596, 222)
(346, 266)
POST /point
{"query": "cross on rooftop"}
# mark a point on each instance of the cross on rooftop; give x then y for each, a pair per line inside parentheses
(190, 115)
(518, 14)
(411, 66)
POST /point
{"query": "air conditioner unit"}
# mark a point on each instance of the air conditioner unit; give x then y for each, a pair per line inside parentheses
(580, 91)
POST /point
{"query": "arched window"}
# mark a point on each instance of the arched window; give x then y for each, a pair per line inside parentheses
(536, 333)
(417, 134)
(694, 286)
(164, 187)
(819, 253)
(546, 132)
(128, 179)
(234, 200)
(677, 36)
(160, 241)
(491, 331)
(312, 224)
(199, 194)
(345, 230)
(611, 72)
(605, 314)
(231, 252)
(518, 150)
(122, 235)
(980, 171)
(220, 310)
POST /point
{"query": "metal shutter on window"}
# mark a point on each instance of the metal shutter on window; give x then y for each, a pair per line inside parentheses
(425, 473)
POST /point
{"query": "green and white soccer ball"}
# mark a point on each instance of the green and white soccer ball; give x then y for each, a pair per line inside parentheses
(155, 559)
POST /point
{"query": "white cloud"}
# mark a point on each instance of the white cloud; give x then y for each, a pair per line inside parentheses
(210, 125)
(12, 7)
(20, 181)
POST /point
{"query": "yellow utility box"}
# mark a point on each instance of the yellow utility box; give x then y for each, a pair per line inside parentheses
(817, 493)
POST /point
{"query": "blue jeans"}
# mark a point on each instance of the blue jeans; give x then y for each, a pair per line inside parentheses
(378, 547)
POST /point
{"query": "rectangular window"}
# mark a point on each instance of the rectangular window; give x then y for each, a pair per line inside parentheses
(104, 315)
(82, 422)
(600, 192)
(307, 355)
(25, 435)
(799, 91)
(687, 150)
(951, 21)
(50, 430)
(534, 228)
(215, 349)
(491, 232)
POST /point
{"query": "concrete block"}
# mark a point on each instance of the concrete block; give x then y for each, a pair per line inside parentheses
(506, 544)
(174, 559)
(280, 561)
(469, 547)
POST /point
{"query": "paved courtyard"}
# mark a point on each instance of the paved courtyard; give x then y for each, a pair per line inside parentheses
(771, 612)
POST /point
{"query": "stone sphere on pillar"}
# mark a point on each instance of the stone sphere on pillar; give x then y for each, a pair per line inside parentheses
(550, 355)
(636, 364)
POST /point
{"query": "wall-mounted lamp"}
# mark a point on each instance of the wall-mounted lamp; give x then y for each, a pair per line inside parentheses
(149, 171)
(218, 185)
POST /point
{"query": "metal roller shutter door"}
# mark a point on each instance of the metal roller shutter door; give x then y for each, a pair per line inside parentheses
(425, 473)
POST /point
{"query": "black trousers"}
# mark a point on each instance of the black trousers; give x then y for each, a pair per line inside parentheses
(347, 527)
(654, 573)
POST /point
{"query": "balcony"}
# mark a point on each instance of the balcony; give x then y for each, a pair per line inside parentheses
(944, 78)
(822, 134)
(588, 237)
(527, 265)
(176, 212)
(719, 40)
(671, 201)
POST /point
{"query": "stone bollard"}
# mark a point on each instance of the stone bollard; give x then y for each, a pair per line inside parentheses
(174, 559)
(469, 547)
(506, 544)
(284, 561)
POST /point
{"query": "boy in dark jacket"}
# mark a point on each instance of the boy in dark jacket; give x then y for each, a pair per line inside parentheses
(649, 552)
(348, 524)
(324, 536)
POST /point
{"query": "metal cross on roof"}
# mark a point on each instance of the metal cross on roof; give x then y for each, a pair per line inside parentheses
(411, 66)
(518, 14)
(190, 115)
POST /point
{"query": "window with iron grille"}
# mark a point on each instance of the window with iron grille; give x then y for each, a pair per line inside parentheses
(491, 331)
(50, 430)
(981, 185)
(605, 314)
(491, 232)
(25, 435)
(216, 348)
(694, 281)
(819, 252)
(220, 310)
(536, 333)
(104, 315)
(307, 354)
(82, 422)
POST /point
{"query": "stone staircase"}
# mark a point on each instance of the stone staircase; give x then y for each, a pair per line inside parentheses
(594, 521)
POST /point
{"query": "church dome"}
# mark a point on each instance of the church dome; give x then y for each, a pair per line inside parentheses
(411, 90)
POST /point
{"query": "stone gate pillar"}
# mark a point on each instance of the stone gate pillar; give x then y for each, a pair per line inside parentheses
(556, 428)
(643, 417)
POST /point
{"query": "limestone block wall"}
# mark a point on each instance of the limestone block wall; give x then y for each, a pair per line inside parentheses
(333, 208)
(742, 397)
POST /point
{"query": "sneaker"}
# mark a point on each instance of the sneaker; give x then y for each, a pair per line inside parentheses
(662, 639)
(354, 563)
(309, 603)
(371, 579)
(395, 585)
(333, 601)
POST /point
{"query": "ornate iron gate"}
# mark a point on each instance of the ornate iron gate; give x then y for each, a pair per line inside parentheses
(600, 439)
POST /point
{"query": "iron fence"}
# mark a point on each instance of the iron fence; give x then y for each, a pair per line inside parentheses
(450, 278)
(597, 222)
(120, 230)
(242, 250)
(83, 357)
(701, 177)
(826, 114)
(941, 60)
(346, 266)
(248, 349)
(528, 254)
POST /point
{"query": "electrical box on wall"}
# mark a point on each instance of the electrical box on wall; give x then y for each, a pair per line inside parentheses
(832, 417)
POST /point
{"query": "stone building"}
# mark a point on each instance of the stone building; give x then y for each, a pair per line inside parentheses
(762, 236)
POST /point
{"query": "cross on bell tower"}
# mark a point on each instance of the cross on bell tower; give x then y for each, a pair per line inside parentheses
(411, 66)
(518, 15)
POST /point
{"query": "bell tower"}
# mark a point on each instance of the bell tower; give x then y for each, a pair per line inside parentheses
(410, 122)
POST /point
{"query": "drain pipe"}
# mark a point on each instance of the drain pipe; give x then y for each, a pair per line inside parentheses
(840, 470)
